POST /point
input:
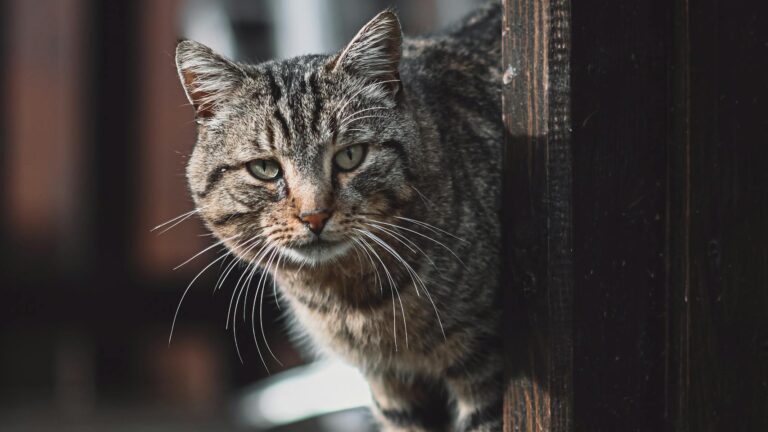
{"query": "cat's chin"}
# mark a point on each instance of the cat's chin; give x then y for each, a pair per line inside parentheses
(317, 253)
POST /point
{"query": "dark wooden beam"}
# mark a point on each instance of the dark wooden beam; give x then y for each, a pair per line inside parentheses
(727, 263)
(537, 215)
(622, 104)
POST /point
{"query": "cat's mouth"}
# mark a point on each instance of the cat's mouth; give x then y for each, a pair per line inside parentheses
(318, 251)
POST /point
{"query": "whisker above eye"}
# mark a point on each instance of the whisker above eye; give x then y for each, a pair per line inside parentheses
(348, 122)
(343, 121)
(355, 130)
(346, 101)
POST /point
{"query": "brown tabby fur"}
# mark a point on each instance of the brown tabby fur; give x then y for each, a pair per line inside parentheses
(403, 279)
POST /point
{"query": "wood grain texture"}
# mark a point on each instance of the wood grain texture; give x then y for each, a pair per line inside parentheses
(655, 319)
(728, 243)
(670, 216)
(537, 215)
(621, 136)
(677, 313)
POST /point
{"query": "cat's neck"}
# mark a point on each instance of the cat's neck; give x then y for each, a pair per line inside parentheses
(352, 280)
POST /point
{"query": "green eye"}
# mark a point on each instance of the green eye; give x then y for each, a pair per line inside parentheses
(264, 169)
(350, 157)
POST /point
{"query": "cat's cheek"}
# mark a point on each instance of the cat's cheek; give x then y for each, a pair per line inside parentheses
(343, 179)
(375, 205)
(230, 235)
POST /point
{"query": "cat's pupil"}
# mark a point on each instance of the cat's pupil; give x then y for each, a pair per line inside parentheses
(349, 153)
(264, 166)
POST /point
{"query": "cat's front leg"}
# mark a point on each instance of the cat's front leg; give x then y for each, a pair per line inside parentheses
(477, 389)
(407, 404)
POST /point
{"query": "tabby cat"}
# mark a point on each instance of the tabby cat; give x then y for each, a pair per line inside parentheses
(367, 184)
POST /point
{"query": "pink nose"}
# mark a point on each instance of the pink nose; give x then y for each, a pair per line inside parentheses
(315, 220)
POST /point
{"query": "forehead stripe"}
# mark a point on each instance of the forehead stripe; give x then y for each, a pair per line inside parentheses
(318, 102)
(270, 135)
(277, 94)
(283, 124)
(274, 89)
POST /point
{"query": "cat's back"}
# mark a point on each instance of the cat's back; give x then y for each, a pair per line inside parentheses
(453, 80)
(460, 58)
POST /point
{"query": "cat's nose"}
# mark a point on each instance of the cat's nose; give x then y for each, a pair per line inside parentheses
(315, 220)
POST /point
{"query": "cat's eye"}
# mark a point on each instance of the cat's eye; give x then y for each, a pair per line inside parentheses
(264, 169)
(350, 157)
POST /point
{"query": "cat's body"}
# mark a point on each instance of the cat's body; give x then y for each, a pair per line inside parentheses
(392, 264)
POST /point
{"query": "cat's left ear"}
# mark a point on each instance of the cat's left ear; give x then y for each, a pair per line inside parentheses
(374, 52)
(208, 78)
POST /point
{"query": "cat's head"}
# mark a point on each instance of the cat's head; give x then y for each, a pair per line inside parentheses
(296, 156)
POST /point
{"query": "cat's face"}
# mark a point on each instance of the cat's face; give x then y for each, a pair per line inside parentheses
(297, 156)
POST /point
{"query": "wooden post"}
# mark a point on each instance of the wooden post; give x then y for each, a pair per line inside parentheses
(622, 71)
(723, 311)
(537, 215)
(637, 234)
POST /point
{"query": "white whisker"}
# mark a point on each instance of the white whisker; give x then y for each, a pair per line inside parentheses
(402, 239)
(274, 282)
(346, 101)
(392, 287)
(358, 118)
(373, 264)
(255, 263)
(181, 216)
(231, 266)
(245, 272)
(422, 235)
(343, 121)
(176, 221)
(426, 200)
(184, 295)
(359, 258)
(261, 311)
(417, 280)
(431, 228)
(207, 249)
(394, 254)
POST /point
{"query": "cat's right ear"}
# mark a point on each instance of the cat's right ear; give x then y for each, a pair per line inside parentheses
(374, 52)
(208, 78)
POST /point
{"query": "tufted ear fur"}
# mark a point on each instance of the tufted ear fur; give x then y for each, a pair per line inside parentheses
(207, 77)
(374, 52)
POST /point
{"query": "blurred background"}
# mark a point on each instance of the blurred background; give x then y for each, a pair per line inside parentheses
(94, 133)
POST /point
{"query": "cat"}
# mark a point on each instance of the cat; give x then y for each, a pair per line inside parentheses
(367, 184)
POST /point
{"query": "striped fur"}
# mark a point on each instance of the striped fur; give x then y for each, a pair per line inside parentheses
(403, 280)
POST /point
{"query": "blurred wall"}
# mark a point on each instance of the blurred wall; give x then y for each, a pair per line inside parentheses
(93, 144)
